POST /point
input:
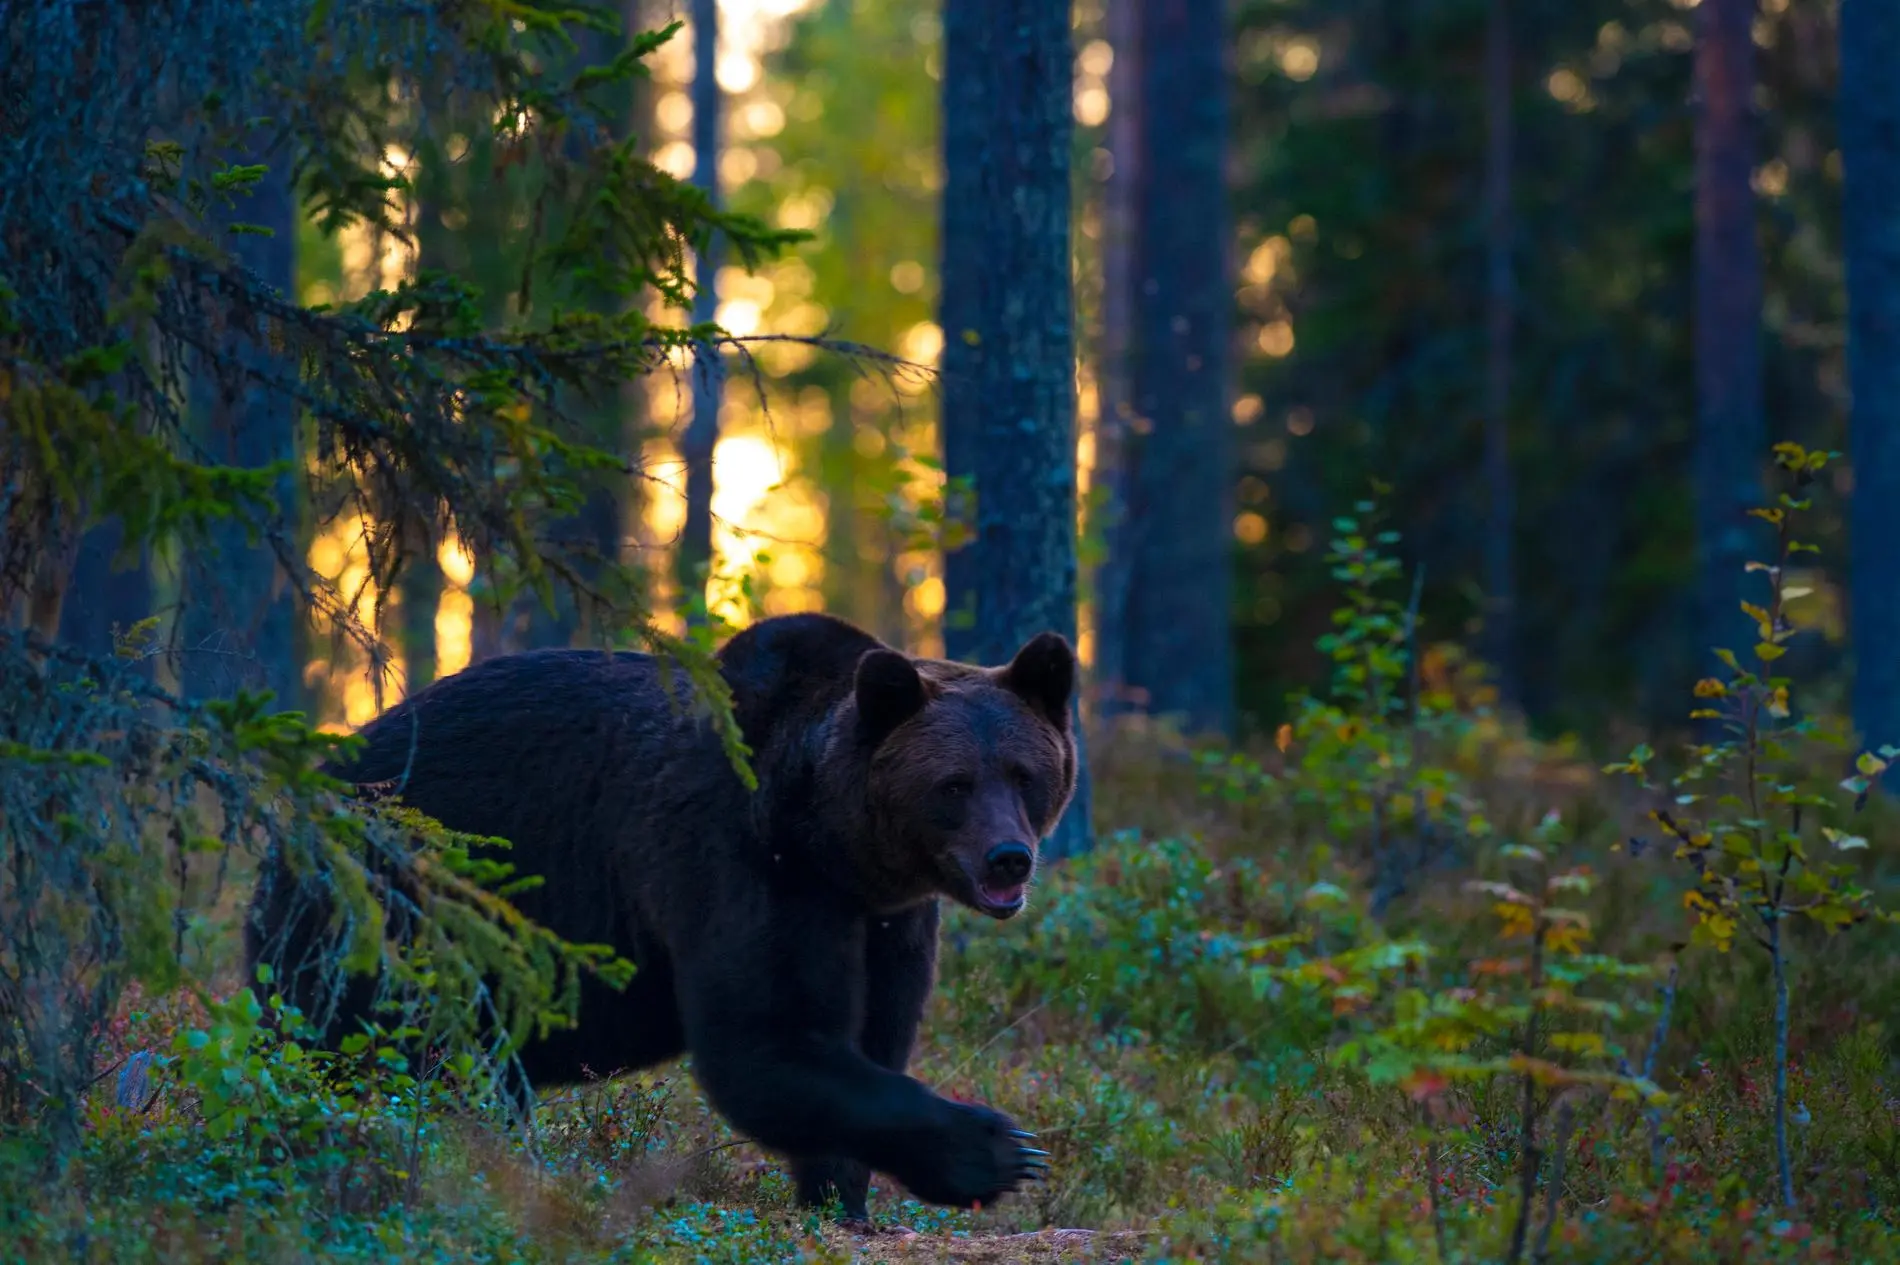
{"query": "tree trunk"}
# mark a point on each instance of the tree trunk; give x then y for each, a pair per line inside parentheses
(242, 617)
(596, 526)
(422, 582)
(1730, 430)
(1009, 333)
(702, 433)
(1870, 154)
(1500, 558)
(635, 421)
(1114, 389)
(105, 596)
(850, 584)
(1179, 645)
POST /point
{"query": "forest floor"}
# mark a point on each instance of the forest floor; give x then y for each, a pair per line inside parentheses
(995, 1249)
(1197, 1106)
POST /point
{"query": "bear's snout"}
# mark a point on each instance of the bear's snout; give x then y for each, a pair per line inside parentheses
(1006, 870)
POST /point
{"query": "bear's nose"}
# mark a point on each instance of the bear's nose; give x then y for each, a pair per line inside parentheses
(1008, 863)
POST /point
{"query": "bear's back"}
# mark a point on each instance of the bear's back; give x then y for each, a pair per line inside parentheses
(567, 754)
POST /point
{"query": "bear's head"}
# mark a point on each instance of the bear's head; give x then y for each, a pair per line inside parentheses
(968, 770)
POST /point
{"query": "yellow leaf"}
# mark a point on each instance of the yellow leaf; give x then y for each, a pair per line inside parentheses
(1719, 930)
(1585, 1043)
(1283, 737)
(1567, 938)
(1517, 920)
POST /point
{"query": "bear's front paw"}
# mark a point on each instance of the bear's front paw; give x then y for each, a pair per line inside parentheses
(979, 1156)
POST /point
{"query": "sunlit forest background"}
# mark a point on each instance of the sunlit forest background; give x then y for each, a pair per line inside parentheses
(1462, 440)
(1358, 292)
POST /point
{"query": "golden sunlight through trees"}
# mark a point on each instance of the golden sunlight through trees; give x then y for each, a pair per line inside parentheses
(342, 681)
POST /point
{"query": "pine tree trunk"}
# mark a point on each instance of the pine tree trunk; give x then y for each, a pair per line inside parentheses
(635, 420)
(421, 597)
(702, 433)
(1009, 333)
(1179, 450)
(1500, 559)
(1112, 361)
(1730, 430)
(242, 621)
(104, 595)
(1870, 154)
(422, 581)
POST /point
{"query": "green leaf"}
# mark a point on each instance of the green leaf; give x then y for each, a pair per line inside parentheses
(1323, 893)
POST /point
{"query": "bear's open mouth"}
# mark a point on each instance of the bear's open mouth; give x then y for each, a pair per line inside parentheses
(1001, 899)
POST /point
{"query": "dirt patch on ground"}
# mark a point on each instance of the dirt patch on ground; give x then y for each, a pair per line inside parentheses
(1043, 1245)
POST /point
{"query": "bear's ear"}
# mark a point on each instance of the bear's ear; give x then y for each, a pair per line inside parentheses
(889, 692)
(1043, 675)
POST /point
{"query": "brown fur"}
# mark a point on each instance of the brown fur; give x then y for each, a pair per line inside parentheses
(786, 938)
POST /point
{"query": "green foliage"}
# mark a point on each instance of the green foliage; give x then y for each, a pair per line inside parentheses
(1758, 840)
(1743, 817)
(423, 409)
(1150, 910)
(1365, 763)
(268, 1114)
(175, 796)
(1164, 1014)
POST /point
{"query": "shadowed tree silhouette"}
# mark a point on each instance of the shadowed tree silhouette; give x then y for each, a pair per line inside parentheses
(1178, 447)
(1009, 336)
(1730, 428)
(1870, 159)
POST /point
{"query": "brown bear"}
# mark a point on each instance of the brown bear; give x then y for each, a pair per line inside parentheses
(787, 937)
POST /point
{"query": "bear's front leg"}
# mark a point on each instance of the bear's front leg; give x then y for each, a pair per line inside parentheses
(900, 963)
(771, 996)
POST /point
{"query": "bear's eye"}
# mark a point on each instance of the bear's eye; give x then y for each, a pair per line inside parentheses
(1023, 778)
(956, 788)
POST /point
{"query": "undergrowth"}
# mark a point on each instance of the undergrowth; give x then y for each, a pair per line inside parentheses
(1397, 984)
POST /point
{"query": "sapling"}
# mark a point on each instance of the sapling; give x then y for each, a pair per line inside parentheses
(1356, 758)
(1740, 816)
(1543, 1012)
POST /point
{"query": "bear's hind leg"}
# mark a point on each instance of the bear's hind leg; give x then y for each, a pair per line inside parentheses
(848, 1182)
